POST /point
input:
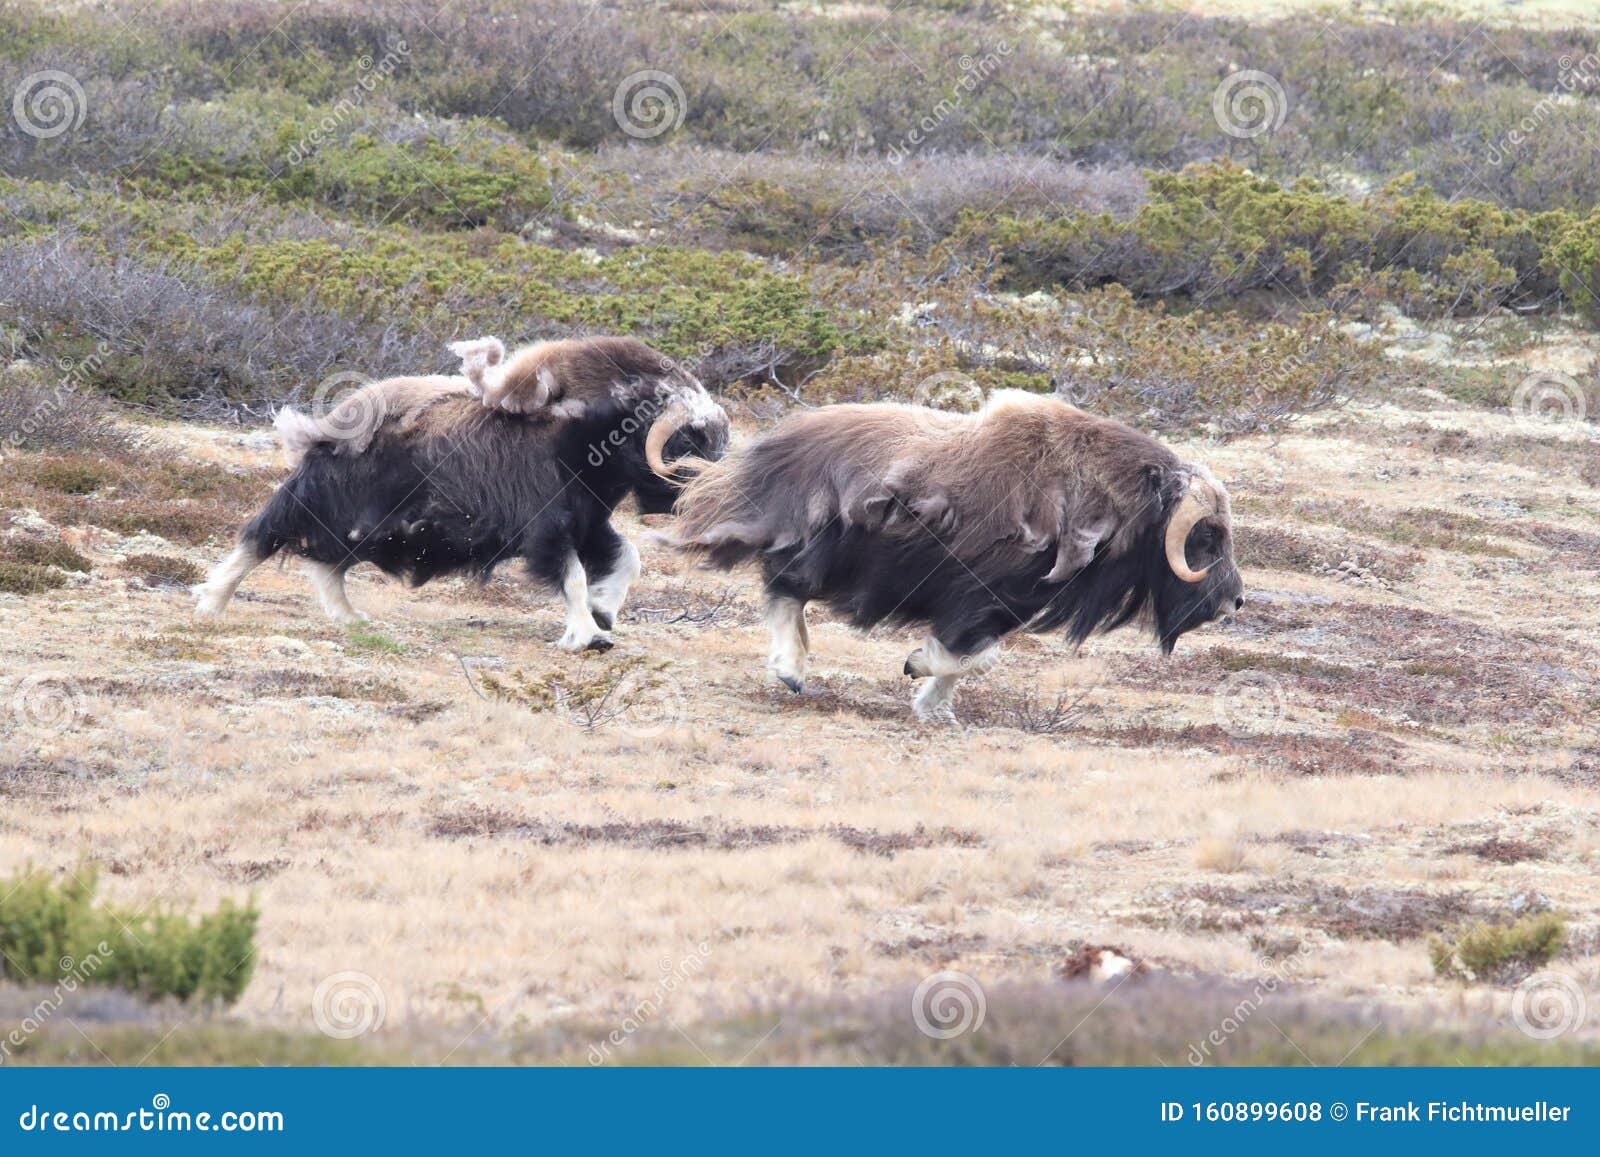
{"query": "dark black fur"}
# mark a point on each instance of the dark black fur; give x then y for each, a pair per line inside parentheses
(495, 487)
(913, 578)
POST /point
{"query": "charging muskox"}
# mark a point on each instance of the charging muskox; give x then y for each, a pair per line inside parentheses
(1028, 515)
(425, 476)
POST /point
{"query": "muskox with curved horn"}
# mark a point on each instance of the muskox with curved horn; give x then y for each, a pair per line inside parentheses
(422, 477)
(1028, 515)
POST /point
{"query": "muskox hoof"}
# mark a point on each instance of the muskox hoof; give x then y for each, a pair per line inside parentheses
(917, 664)
(601, 643)
(792, 683)
(602, 620)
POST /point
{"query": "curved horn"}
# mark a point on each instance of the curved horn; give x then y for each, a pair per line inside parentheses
(672, 419)
(1192, 507)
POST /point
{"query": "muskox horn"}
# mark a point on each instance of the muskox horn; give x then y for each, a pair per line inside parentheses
(1195, 504)
(672, 419)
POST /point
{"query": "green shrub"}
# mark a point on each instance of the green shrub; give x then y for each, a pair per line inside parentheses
(51, 931)
(1500, 952)
(1220, 231)
(1576, 253)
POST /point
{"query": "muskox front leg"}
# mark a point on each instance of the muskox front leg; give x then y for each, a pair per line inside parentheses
(786, 619)
(582, 633)
(616, 561)
(943, 668)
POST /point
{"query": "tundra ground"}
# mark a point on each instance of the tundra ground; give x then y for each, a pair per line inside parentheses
(1394, 742)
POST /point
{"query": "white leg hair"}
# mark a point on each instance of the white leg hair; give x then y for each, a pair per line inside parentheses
(212, 595)
(328, 581)
(786, 618)
(607, 594)
(582, 633)
(934, 699)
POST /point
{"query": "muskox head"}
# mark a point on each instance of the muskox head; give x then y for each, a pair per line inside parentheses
(1195, 580)
(687, 428)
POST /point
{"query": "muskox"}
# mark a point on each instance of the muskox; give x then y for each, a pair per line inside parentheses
(1028, 515)
(417, 476)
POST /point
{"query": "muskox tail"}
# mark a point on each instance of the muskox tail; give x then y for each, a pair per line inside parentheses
(298, 431)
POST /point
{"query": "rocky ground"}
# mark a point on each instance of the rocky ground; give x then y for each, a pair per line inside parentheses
(470, 829)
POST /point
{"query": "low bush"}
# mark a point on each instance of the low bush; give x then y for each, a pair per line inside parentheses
(1500, 952)
(37, 552)
(162, 570)
(1218, 232)
(26, 578)
(53, 932)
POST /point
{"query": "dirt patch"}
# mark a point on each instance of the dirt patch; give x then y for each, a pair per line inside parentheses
(1357, 752)
(1374, 913)
(709, 833)
(1497, 850)
(1433, 668)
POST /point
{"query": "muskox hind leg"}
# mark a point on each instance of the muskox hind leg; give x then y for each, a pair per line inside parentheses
(212, 595)
(583, 633)
(943, 668)
(786, 619)
(327, 579)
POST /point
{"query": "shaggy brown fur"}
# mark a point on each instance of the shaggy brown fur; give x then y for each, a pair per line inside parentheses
(1028, 515)
(1025, 475)
(564, 376)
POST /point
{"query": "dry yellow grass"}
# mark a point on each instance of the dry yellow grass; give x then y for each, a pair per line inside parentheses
(1331, 757)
